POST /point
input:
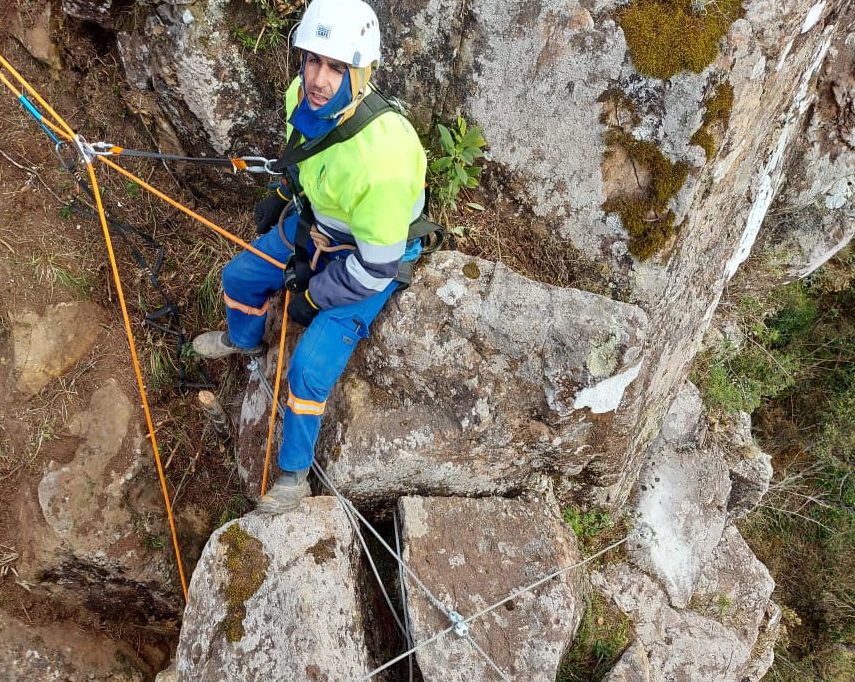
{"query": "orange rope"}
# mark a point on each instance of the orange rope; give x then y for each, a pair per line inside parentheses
(207, 223)
(29, 88)
(128, 329)
(140, 383)
(273, 408)
(69, 134)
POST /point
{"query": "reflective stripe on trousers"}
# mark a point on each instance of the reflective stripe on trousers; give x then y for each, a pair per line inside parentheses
(320, 356)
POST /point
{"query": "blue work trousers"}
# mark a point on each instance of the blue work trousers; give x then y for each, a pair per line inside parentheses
(321, 354)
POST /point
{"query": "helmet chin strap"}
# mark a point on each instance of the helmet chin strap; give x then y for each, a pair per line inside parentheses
(359, 78)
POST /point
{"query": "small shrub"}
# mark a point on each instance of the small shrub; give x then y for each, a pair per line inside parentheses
(587, 525)
(603, 635)
(455, 169)
(277, 16)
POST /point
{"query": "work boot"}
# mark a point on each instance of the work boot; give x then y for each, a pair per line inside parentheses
(286, 493)
(218, 345)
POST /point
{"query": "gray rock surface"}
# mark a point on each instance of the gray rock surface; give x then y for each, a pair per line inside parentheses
(734, 586)
(727, 632)
(815, 215)
(476, 378)
(680, 644)
(47, 346)
(681, 495)
(277, 597)
(203, 83)
(632, 666)
(750, 468)
(97, 11)
(472, 553)
(31, 26)
(95, 509)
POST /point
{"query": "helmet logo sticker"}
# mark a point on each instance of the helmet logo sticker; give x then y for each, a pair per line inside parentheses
(357, 56)
(323, 31)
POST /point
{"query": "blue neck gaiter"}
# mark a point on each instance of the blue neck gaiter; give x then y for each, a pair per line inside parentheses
(315, 122)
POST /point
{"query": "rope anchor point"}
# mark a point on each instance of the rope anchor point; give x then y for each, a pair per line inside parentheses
(461, 629)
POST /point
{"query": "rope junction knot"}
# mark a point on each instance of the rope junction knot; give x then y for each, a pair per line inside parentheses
(461, 629)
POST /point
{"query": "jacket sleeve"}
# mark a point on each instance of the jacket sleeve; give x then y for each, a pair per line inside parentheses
(380, 222)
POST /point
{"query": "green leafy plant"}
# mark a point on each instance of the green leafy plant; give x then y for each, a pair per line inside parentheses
(277, 16)
(587, 525)
(132, 188)
(462, 145)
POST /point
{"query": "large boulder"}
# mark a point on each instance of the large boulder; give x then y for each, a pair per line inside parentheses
(735, 588)
(694, 481)
(47, 346)
(815, 215)
(89, 538)
(715, 638)
(473, 553)
(475, 379)
(183, 51)
(277, 597)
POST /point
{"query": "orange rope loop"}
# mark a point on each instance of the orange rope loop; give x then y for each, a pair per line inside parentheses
(69, 134)
(138, 371)
(273, 411)
(207, 223)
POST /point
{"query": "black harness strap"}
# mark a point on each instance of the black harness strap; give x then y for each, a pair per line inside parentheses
(371, 106)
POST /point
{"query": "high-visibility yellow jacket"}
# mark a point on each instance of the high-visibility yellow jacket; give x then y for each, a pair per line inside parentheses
(364, 191)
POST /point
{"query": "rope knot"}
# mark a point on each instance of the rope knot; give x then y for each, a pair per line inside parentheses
(461, 629)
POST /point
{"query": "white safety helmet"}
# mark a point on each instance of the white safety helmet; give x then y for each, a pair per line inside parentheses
(344, 30)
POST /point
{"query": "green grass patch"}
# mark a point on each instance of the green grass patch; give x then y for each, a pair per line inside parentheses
(665, 37)
(795, 369)
(603, 635)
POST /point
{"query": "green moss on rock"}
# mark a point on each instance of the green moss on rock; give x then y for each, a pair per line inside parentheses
(647, 218)
(246, 568)
(716, 120)
(665, 37)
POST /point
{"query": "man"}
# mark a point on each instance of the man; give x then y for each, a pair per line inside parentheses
(363, 194)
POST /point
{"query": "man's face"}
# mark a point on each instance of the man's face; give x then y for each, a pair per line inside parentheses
(322, 77)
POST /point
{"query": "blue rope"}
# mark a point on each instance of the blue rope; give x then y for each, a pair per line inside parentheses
(36, 114)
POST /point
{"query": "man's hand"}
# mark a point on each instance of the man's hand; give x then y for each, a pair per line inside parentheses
(302, 310)
(267, 212)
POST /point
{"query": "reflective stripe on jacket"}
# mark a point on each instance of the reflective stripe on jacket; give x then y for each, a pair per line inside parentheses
(368, 187)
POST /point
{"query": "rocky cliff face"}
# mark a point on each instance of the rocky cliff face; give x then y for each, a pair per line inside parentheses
(479, 382)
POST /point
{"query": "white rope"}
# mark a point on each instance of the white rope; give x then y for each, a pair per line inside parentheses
(555, 574)
(430, 595)
(459, 624)
(355, 525)
(408, 652)
(402, 585)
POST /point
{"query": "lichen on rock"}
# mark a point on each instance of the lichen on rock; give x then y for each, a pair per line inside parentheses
(246, 565)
